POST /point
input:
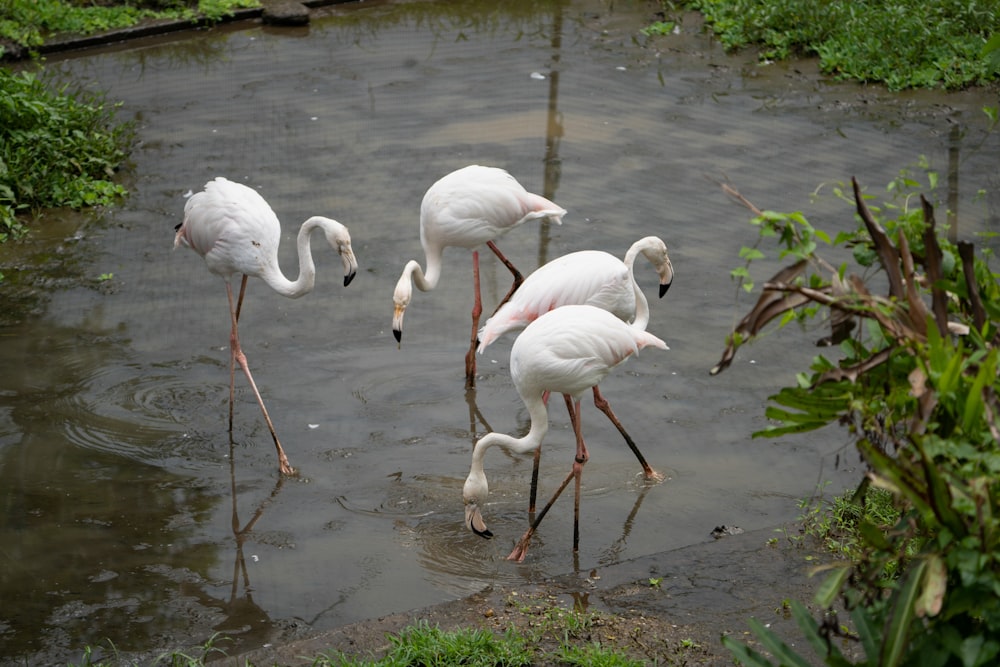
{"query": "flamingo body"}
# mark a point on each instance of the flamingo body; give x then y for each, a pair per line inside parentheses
(476, 204)
(236, 232)
(567, 350)
(590, 277)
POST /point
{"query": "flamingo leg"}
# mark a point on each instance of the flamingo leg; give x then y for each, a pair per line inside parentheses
(477, 310)
(578, 462)
(241, 359)
(533, 495)
(602, 404)
(232, 350)
(518, 278)
(521, 548)
(534, 469)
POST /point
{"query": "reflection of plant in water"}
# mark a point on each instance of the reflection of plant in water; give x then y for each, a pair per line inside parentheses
(455, 21)
(917, 386)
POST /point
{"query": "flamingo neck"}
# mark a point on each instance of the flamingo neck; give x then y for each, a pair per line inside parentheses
(425, 280)
(307, 269)
(530, 442)
(641, 319)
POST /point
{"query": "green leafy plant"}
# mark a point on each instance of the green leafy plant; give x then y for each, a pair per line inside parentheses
(916, 383)
(658, 28)
(29, 23)
(57, 148)
(903, 44)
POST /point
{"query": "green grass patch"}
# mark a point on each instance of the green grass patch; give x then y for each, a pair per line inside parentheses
(29, 23)
(57, 148)
(903, 44)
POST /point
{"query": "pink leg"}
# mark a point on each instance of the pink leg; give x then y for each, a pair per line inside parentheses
(240, 358)
(602, 404)
(518, 278)
(232, 350)
(477, 310)
(581, 459)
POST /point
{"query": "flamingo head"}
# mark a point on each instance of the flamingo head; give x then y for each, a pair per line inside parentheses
(340, 240)
(656, 253)
(400, 300)
(474, 494)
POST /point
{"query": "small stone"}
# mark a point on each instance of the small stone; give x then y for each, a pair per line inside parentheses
(285, 14)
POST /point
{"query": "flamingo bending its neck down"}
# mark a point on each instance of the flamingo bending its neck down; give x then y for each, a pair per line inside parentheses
(234, 229)
(591, 277)
(467, 208)
(566, 350)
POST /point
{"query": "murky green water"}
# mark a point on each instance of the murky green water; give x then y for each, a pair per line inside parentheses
(130, 515)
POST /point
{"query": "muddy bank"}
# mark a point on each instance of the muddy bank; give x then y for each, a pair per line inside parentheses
(668, 608)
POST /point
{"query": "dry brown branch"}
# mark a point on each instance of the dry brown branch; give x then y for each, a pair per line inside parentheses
(771, 304)
(888, 255)
(967, 253)
(917, 309)
(932, 262)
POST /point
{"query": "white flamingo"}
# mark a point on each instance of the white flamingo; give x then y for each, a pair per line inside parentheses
(234, 229)
(467, 208)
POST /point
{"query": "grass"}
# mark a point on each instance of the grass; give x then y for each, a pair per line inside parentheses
(28, 23)
(534, 630)
(837, 523)
(902, 44)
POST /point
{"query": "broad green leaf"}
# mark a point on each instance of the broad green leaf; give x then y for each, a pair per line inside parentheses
(867, 632)
(828, 591)
(935, 585)
(828, 651)
(744, 654)
(873, 536)
(779, 649)
(894, 640)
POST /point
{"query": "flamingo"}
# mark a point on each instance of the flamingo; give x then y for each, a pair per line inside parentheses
(234, 229)
(567, 350)
(467, 208)
(591, 277)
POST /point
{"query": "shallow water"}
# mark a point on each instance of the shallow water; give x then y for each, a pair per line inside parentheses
(128, 512)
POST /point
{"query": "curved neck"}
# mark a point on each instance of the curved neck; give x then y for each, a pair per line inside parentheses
(307, 269)
(641, 305)
(425, 280)
(530, 442)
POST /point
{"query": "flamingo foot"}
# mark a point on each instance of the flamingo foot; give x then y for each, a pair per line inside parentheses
(653, 476)
(521, 548)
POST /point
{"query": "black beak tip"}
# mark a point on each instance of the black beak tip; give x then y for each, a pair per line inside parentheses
(398, 335)
(664, 288)
(486, 534)
(348, 278)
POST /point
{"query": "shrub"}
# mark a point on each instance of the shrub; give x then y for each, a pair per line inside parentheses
(56, 149)
(917, 385)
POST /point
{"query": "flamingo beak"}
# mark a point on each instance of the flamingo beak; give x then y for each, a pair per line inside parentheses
(397, 323)
(666, 277)
(474, 520)
(350, 264)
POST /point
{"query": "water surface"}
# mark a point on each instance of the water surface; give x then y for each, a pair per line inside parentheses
(130, 514)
